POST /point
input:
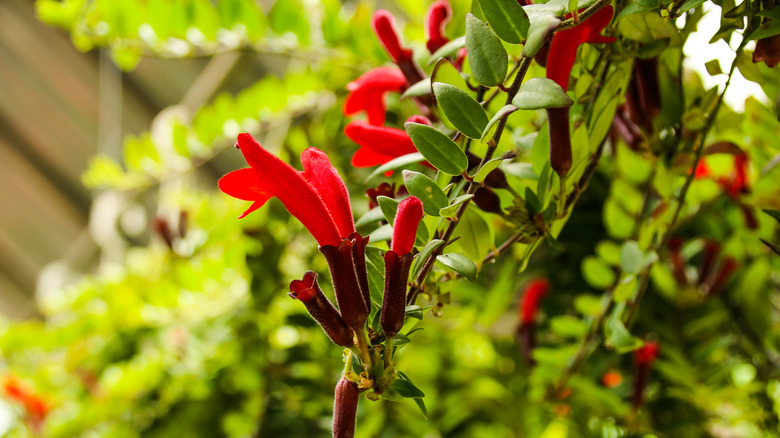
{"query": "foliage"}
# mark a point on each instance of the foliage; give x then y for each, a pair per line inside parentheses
(653, 234)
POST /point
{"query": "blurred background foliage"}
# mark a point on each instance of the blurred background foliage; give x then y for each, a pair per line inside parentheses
(184, 327)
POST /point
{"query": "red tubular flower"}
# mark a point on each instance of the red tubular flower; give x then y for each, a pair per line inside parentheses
(345, 408)
(347, 263)
(717, 282)
(368, 91)
(643, 359)
(320, 308)
(317, 196)
(708, 258)
(560, 60)
(397, 263)
(437, 16)
(383, 23)
(35, 406)
(379, 144)
(535, 290)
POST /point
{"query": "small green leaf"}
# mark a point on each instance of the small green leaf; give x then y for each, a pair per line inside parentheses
(618, 337)
(503, 112)
(532, 202)
(598, 274)
(421, 404)
(487, 57)
(542, 25)
(539, 93)
(462, 110)
(774, 213)
(713, 67)
(448, 49)
(554, 243)
(389, 207)
(407, 389)
(460, 264)
(443, 153)
(450, 210)
(414, 311)
(396, 164)
(507, 18)
(373, 215)
(432, 197)
(381, 234)
(625, 289)
(487, 168)
(421, 88)
(631, 258)
(425, 252)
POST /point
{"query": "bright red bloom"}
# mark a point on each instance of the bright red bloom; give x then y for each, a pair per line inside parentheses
(368, 91)
(702, 170)
(535, 290)
(647, 353)
(379, 144)
(736, 183)
(317, 196)
(320, 308)
(437, 16)
(383, 24)
(410, 211)
(35, 405)
(563, 49)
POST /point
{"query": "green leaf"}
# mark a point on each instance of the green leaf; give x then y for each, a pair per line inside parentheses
(449, 49)
(425, 252)
(462, 110)
(774, 213)
(532, 202)
(598, 274)
(396, 164)
(507, 18)
(487, 168)
(446, 73)
(772, 246)
(487, 57)
(424, 188)
(373, 215)
(537, 93)
(618, 337)
(451, 209)
(713, 67)
(542, 25)
(375, 268)
(625, 289)
(460, 264)
(632, 259)
(389, 207)
(421, 88)
(414, 311)
(439, 149)
(407, 389)
(503, 112)
(381, 234)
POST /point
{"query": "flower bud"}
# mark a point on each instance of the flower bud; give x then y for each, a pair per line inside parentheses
(320, 308)
(487, 200)
(410, 212)
(394, 301)
(768, 50)
(347, 263)
(535, 290)
(560, 140)
(709, 255)
(643, 359)
(345, 409)
(384, 27)
(437, 16)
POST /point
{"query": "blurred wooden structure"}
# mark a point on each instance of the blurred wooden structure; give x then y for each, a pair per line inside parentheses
(58, 107)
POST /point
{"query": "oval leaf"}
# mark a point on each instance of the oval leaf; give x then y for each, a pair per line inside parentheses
(539, 93)
(389, 207)
(487, 57)
(421, 88)
(507, 18)
(443, 153)
(426, 190)
(542, 25)
(460, 264)
(462, 110)
(449, 49)
(503, 112)
(426, 251)
(396, 163)
(450, 210)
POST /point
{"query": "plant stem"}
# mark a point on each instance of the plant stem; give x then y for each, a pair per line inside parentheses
(363, 345)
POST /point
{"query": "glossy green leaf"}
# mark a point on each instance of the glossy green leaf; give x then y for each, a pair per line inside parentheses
(487, 168)
(421, 88)
(537, 93)
(396, 163)
(532, 203)
(451, 209)
(774, 213)
(486, 55)
(449, 49)
(424, 188)
(507, 18)
(439, 149)
(618, 337)
(542, 25)
(475, 235)
(407, 389)
(503, 112)
(460, 264)
(598, 274)
(631, 258)
(462, 110)
(389, 207)
(425, 252)
(446, 73)
(373, 215)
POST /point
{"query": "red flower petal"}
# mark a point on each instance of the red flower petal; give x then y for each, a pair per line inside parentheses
(243, 184)
(284, 182)
(647, 353)
(563, 49)
(437, 16)
(534, 292)
(391, 142)
(367, 157)
(325, 180)
(383, 24)
(410, 211)
(368, 91)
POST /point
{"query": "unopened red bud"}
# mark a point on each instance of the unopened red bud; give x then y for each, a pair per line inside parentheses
(768, 50)
(419, 119)
(643, 359)
(163, 230)
(487, 200)
(345, 409)
(646, 77)
(716, 283)
(394, 300)
(383, 189)
(347, 263)
(410, 212)
(534, 291)
(320, 308)
(383, 23)
(708, 257)
(437, 16)
(560, 140)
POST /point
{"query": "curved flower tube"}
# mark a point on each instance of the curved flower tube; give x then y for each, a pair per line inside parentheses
(317, 196)
(368, 91)
(320, 308)
(437, 16)
(380, 144)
